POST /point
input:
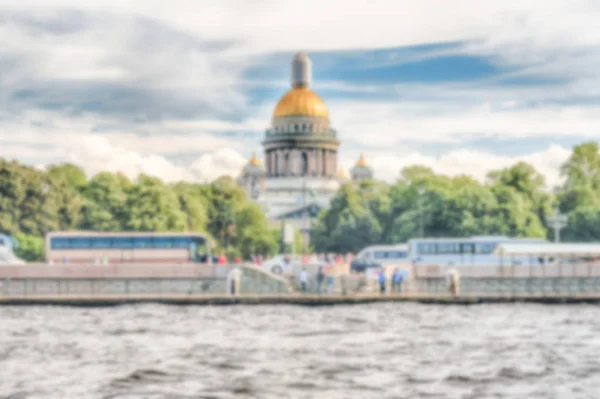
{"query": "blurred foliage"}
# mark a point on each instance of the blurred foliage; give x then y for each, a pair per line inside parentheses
(513, 201)
(34, 202)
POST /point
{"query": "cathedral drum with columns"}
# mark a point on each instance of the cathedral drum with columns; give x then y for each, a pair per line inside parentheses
(300, 174)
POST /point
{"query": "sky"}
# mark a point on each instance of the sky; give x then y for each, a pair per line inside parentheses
(184, 89)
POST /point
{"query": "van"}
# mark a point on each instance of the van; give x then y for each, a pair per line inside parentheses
(379, 255)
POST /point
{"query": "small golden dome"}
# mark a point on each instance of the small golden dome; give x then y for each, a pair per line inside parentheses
(254, 160)
(301, 101)
(361, 161)
(342, 173)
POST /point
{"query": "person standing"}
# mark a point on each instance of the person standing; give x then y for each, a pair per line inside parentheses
(320, 279)
(330, 281)
(397, 279)
(453, 280)
(304, 280)
(234, 278)
(382, 281)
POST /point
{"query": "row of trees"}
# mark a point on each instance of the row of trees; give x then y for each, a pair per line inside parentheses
(514, 202)
(33, 202)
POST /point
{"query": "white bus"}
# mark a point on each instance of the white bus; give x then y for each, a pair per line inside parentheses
(464, 251)
(113, 248)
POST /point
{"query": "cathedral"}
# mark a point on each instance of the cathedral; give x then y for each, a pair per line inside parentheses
(299, 173)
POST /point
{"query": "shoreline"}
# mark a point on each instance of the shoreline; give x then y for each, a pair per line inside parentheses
(299, 300)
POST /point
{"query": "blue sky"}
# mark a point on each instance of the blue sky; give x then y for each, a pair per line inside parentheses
(186, 91)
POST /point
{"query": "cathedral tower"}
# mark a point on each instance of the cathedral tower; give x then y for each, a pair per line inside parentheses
(361, 171)
(301, 141)
(298, 175)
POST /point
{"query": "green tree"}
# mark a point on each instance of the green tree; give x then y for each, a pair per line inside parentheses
(348, 225)
(194, 204)
(530, 184)
(30, 248)
(153, 206)
(583, 225)
(69, 174)
(104, 208)
(253, 235)
(582, 178)
(224, 198)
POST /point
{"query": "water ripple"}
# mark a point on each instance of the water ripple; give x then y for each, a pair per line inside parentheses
(363, 351)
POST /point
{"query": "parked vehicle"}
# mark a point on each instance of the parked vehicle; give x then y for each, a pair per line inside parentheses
(379, 255)
(127, 247)
(292, 264)
(476, 251)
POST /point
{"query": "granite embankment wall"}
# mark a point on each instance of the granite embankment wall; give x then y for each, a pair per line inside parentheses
(196, 279)
(180, 279)
(122, 271)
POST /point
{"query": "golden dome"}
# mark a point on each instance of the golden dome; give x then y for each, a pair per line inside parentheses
(254, 161)
(342, 173)
(361, 161)
(301, 101)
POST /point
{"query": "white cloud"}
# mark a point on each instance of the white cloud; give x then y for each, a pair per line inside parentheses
(225, 161)
(312, 24)
(385, 124)
(96, 154)
(524, 33)
(170, 51)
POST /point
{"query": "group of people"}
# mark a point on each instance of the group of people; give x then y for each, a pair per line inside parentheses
(259, 259)
(324, 277)
(397, 279)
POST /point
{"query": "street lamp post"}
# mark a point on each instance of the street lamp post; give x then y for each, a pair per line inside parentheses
(420, 204)
(557, 221)
(305, 218)
(45, 190)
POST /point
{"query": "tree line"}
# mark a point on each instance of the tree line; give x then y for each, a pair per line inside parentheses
(514, 201)
(34, 202)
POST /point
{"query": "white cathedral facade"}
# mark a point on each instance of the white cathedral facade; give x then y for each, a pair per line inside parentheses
(299, 174)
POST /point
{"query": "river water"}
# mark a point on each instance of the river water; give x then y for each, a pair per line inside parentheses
(385, 350)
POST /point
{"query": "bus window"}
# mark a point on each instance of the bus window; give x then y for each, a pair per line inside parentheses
(426, 248)
(181, 242)
(100, 242)
(80, 243)
(162, 242)
(487, 248)
(467, 248)
(59, 243)
(122, 243)
(142, 242)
